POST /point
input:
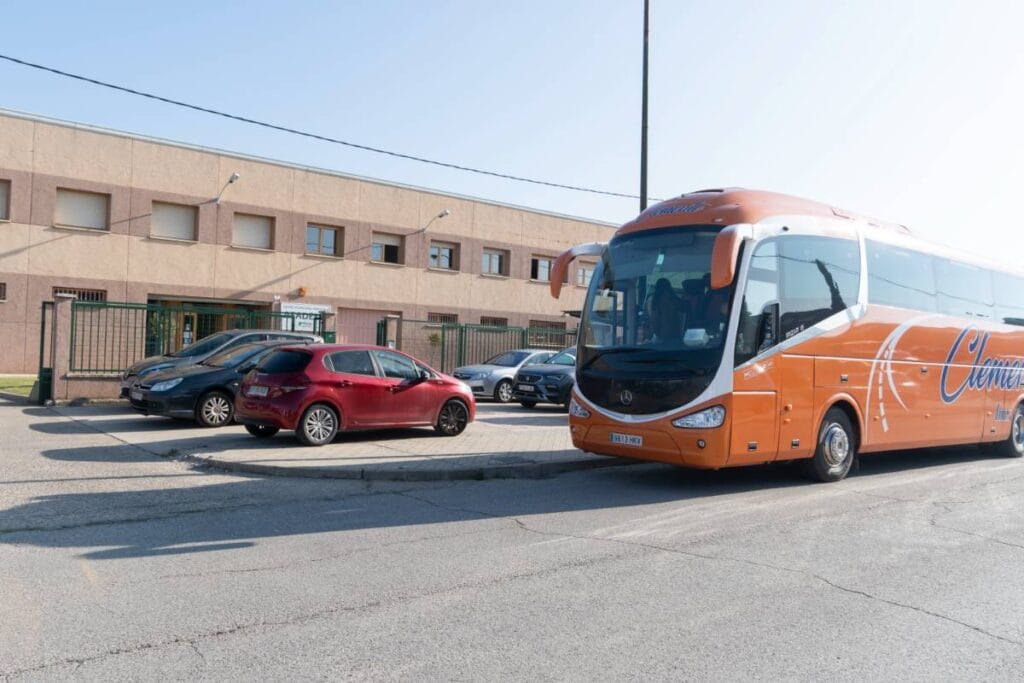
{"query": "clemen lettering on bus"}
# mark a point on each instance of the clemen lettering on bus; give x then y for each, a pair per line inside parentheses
(985, 372)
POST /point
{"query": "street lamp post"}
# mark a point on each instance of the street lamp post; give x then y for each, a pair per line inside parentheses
(643, 114)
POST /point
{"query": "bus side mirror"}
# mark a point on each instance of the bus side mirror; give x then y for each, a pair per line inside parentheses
(768, 329)
(561, 265)
(724, 257)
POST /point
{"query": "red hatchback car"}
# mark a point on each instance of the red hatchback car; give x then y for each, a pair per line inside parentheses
(319, 390)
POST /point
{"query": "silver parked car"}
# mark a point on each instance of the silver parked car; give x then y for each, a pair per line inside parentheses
(493, 377)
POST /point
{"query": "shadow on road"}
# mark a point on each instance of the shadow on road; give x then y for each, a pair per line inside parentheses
(240, 512)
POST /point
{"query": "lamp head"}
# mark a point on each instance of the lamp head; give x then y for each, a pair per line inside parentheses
(234, 176)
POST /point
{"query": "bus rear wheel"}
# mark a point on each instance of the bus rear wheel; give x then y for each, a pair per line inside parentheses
(837, 448)
(1013, 447)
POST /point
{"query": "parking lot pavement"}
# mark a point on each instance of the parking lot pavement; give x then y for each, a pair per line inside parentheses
(122, 565)
(505, 441)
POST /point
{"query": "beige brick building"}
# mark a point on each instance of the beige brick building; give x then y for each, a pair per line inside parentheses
(116, 217)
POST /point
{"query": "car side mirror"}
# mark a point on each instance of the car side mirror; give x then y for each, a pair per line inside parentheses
(768, 327)
(245, 369)
(424, 375)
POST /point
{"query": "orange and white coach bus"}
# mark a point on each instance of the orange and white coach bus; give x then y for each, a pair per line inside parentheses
(733, 327)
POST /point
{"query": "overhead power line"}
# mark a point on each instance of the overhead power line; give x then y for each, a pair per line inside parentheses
(313, 136)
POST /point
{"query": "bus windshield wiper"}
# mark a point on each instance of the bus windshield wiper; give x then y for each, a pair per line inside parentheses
(608, 352)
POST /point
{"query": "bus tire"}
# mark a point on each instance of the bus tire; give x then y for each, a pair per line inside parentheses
(1013, 447)
(837, 448)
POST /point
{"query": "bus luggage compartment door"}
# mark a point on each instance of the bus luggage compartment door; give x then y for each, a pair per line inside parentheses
(754, 427)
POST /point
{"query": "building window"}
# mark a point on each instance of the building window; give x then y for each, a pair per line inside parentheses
(444, 256)
(495, 262)
(5, 200)
(442, 319)
(173, 221)
(323, 240)
(540, 268)
(584, 272)
(3, 291)
(255, 232)
(88, 210)
(386, 248)
(492, 321)
(82, 294)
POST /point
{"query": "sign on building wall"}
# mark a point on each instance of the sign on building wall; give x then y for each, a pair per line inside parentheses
(305, 320)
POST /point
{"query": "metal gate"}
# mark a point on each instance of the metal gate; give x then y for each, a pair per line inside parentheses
(107, 337)
(450, 345)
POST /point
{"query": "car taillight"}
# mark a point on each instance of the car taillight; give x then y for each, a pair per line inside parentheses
(289, 388)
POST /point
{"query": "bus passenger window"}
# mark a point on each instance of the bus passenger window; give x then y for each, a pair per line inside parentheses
(964, 290)
(762, 288)
(1009, 295)
(820, 277)
(900, 277)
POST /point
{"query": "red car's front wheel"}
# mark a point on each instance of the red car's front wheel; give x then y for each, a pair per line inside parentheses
(453, 418)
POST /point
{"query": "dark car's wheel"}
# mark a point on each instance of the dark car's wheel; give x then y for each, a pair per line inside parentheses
(503, 392)
(262, 431)
(453, 418)
(318, 425)
(1013, 447)
(214, 409)
(837, 448)
(528, 404)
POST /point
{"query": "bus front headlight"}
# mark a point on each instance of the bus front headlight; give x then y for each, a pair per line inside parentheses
(576, 410)
(709, 418)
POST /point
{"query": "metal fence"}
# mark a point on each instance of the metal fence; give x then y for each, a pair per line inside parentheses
(107, 337)
(450, 345)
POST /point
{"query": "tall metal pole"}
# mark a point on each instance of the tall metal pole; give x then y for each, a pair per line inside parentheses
(643, 114)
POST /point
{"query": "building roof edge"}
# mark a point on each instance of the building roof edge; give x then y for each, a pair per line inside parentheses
(40, 118)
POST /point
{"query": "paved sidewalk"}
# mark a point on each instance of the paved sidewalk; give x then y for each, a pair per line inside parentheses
(504, 442)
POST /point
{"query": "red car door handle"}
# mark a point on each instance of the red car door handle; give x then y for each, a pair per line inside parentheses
(393, 390)
(344, 383)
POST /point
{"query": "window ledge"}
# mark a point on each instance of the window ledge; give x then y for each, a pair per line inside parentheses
(541, 282)
(494, 276)
(386, 264)
(325, 257)
(76, 228)
(176, 240)
(5, 220)
(446, 271)
(242, 247)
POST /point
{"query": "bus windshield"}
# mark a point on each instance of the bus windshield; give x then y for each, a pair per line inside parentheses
(651, 316)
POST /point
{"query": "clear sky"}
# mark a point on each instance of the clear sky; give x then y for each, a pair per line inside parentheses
(911, 111)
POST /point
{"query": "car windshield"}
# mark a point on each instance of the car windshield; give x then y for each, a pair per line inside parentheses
(203, 346)
(564, 358)
(509, 359)
(284, 362)
(234, 357)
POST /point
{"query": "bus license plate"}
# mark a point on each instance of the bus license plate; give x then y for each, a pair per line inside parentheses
(627, 439)
(257, 391)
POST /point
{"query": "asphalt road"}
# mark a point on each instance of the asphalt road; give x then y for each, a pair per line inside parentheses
(121, 565)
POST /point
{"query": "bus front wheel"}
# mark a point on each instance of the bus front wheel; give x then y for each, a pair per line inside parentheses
(837, 448)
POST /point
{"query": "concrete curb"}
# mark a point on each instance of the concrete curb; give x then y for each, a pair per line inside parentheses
(536, 470)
